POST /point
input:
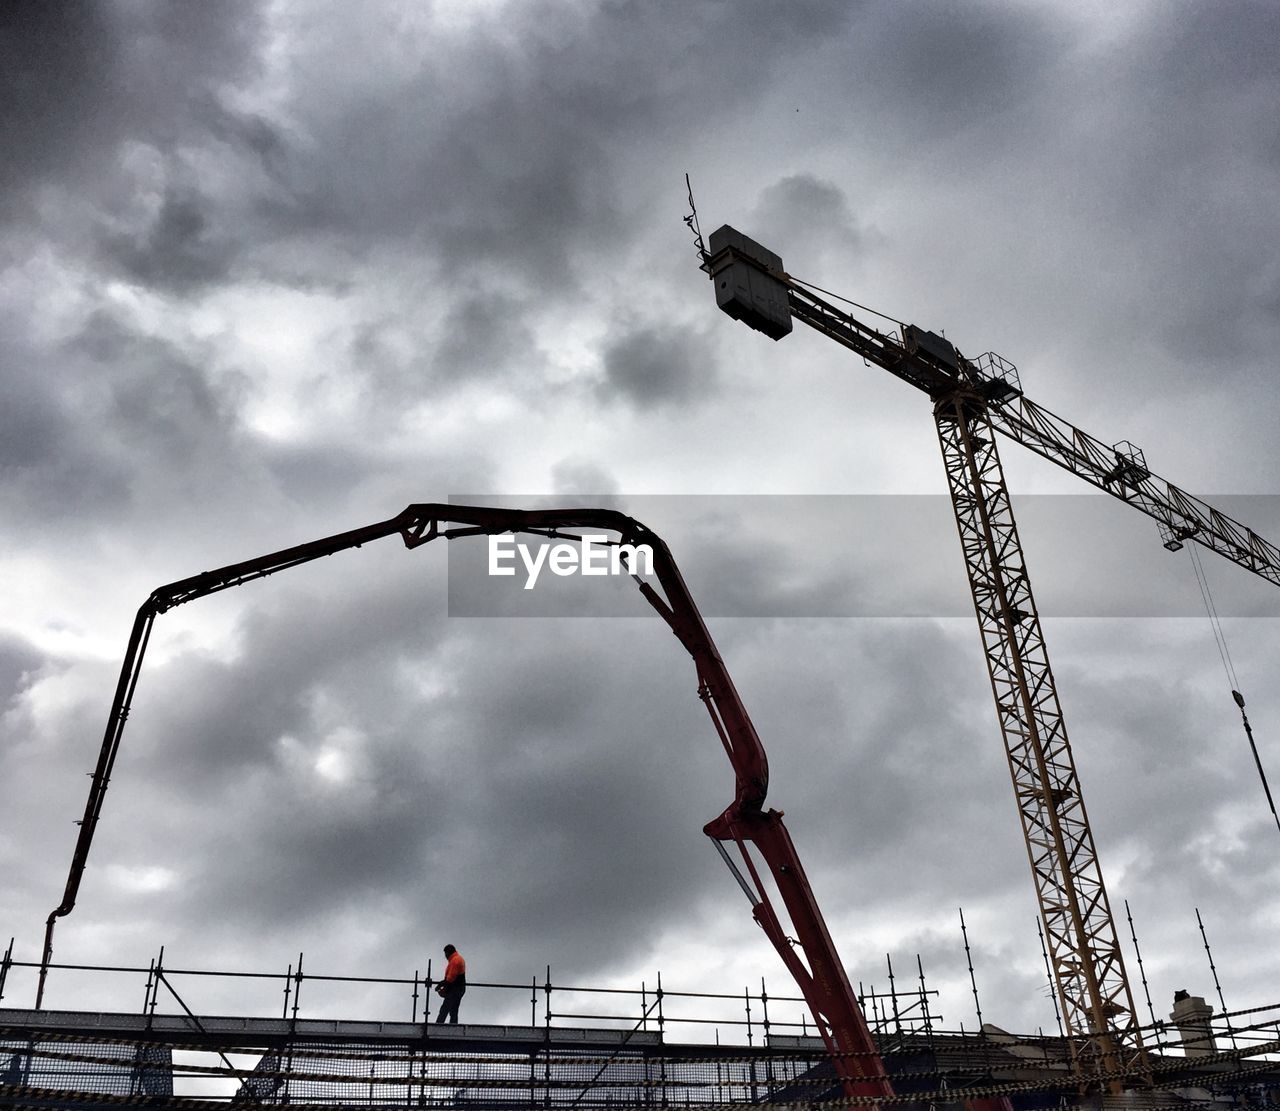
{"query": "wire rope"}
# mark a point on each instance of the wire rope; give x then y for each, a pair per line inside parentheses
(847, 301)
(1224, 652)
(1215, 622)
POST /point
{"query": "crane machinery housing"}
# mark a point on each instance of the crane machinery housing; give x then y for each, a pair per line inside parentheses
(972, 399)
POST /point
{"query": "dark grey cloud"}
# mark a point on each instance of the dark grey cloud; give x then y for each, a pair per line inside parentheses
(507, 159)
(580, 478)
(486, 336)
(489, 162)
(245, 131)
(83, 79)
(1158, 798)
(168, 403)
(357, 474)
(178, 250)
(653, 366)
(53, 461)
(950, 75)
(1122, 188)
(812, 217)
(18, 662)
(1165, 98)
(58, 66)
(32, 422)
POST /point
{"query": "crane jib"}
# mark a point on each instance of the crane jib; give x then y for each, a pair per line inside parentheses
(749, 280)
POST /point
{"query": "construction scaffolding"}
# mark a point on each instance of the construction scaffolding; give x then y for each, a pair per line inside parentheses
(474, 1069)
(643, 1048)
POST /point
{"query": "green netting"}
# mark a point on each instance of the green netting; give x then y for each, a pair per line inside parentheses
(352, 1075)
(118, 1070)
(81, 1071)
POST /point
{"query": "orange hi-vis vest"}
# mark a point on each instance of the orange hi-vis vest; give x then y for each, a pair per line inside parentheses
(456, 969)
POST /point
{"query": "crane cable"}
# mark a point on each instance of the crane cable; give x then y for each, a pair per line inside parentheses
(1220, 638)
(1215, 623)
(847, 301)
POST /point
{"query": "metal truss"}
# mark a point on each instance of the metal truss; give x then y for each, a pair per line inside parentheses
(1087, 964)
(974, 399)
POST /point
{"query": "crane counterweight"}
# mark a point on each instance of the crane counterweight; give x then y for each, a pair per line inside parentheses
(749, 282)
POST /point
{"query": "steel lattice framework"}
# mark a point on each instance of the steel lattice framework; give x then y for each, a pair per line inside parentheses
(1088, 967)
(973, 399)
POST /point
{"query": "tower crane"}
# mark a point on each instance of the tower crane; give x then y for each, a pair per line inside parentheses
(973, 399)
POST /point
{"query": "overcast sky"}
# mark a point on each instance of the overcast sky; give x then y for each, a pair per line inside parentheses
(276, 270)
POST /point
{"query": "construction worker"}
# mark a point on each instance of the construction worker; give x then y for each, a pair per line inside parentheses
(454, 985)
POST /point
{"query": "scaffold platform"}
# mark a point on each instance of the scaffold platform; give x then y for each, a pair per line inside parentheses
(586, 1049)
(89, 1061)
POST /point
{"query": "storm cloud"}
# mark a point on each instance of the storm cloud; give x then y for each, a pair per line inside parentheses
(273, 271)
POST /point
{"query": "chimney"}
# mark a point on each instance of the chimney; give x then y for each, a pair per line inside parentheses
(1191, 1016)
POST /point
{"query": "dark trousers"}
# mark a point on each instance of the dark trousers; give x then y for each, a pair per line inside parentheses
(449, 1004)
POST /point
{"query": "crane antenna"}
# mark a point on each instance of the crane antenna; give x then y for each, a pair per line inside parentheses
(691, 221)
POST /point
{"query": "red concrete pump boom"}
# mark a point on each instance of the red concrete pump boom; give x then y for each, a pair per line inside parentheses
(745, 821)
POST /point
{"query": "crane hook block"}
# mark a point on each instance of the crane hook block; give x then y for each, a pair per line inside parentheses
(749, 282)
